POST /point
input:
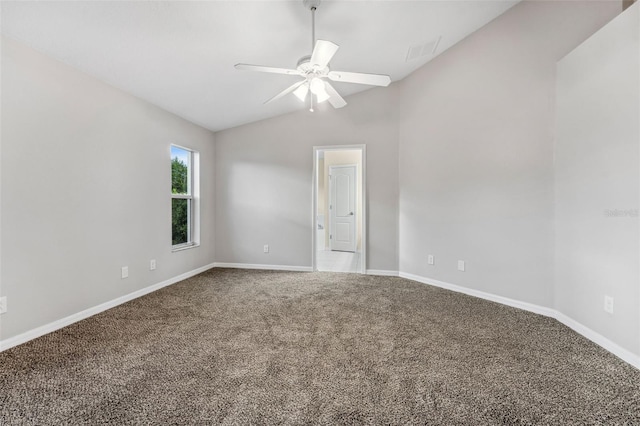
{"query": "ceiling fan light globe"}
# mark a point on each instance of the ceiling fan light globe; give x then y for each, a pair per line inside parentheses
(301, 92)
(319, 89)
(317, 86)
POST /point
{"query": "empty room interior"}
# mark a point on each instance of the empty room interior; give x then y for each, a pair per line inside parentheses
(320, 212)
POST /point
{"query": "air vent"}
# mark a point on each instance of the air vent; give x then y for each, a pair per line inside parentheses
(421, 50)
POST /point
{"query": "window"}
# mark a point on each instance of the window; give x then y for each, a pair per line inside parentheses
(184, 197)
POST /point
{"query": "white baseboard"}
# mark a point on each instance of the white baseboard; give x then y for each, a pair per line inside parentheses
(600, 340)
(264, 267)
(583, 330)
(548, 312)
(382, 272)
(63, 322)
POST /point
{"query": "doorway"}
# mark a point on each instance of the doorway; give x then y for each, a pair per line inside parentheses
(339, 209)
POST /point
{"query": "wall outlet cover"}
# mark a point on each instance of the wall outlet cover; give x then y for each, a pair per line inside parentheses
(266, 248)
(152, 264)
(461, 265)
(608, 304)
(3, 304)
(125, 272)
(431, 259)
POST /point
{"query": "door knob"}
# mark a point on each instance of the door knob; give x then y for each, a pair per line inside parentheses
(351, 214)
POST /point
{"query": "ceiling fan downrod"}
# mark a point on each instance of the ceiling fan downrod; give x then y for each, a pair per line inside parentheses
(312, 5)
(313, 27)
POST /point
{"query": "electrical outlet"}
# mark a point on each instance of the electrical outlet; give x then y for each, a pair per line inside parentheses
(152, 265)
(431, 260)
(461, 265)
(125, 272)
(3, 304)
(608, 304)
(266, 248)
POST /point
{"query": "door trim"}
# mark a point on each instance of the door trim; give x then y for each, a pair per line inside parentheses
(363, 195)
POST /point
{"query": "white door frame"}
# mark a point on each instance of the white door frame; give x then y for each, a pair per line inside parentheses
(314, 204)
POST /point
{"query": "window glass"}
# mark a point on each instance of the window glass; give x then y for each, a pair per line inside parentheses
(184, 201)
(180, 220)
(180, 170)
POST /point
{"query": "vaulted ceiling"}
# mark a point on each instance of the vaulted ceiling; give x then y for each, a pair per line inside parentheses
(181, 55)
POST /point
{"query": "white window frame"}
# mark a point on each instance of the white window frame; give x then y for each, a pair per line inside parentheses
(193, 207)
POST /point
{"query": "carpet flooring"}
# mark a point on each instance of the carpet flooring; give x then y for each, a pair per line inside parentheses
(259, 347)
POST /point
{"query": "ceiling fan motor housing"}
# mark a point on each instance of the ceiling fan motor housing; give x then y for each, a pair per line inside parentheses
(305, 68)
(303, 63)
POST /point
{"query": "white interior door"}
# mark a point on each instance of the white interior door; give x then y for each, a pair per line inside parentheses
(342, 208)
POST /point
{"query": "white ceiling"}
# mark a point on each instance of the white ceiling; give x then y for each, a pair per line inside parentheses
(180, 55)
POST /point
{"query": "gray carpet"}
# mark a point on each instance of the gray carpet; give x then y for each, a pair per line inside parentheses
(256, 347)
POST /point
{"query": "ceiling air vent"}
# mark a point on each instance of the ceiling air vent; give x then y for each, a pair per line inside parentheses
(425, 49)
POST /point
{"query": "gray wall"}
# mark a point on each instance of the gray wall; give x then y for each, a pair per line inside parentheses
(264, 181)
(476, 152)
(598, 181)
(85, 190)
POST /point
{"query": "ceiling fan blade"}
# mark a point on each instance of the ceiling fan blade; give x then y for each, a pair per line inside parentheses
(335, 99)
(323, 51)
(286, 91)
(260, 68)
(360, 78)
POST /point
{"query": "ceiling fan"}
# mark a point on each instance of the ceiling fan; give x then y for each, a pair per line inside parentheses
(315, 70)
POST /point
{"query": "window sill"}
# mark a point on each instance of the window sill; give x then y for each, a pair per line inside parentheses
(184, 247)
